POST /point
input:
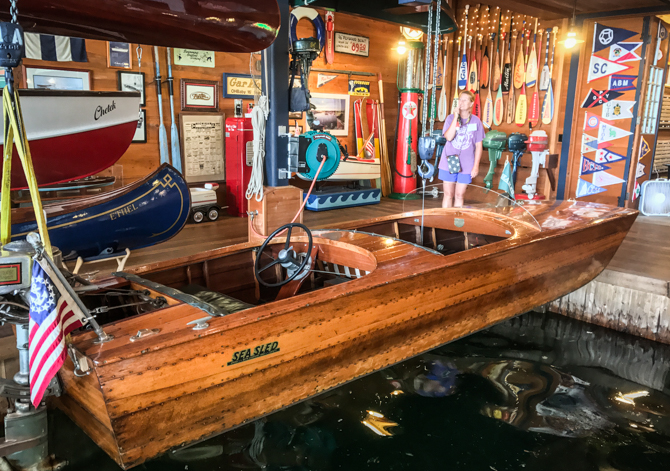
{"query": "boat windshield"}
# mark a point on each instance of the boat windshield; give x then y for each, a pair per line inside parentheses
(476, 197)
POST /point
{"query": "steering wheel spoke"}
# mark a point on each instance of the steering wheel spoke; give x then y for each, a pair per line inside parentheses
(288, 238)
(271, 264)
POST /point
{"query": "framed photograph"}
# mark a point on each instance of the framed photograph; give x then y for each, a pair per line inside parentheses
(140, 136)
(332, 110)
(132, 82)
(56, 79)
(295, 115)
(118, 55)
(202, 146)
(199, 95)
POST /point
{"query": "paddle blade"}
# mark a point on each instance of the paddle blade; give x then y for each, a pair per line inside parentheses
(544, 78)
(506, 81)
(498, 108)
(521, 109)
(442, 105)
(473, 77)
(548, 105)
(535, 109)
(488, 112)
(477, 108)
(531, 69)
(519, 72)
(463, 73)
(162, 139)
(510, 107)
(485, 72)
(176, 150)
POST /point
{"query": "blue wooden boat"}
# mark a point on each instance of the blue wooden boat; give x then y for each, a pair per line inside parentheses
(141, 214)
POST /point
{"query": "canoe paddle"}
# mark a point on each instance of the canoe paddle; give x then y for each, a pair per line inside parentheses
(499, 107)
(174, 135)
(162, 133)
(544, 76)
(548, 104)
(488, 106)
(519, 67)
(442, 103)
(496, 67)
(485, 66)
(506, 81)
(535, 101)
(511, 101)
(457, 87)
(531, 68)
(521, 107)
(463, 69)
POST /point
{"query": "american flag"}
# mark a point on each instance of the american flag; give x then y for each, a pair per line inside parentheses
(52, 317)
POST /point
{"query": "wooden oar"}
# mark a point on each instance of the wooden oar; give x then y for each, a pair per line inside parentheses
(548, 104)
(531, 68)
(499, 107)
(506, 81)
(511, 102)
(519, 67)
(544, 76)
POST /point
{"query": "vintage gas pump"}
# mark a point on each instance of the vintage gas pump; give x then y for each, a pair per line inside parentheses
(410, 84)
(239, 161)
(538, 144)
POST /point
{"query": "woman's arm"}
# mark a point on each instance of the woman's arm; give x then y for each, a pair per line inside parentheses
(479, 147)
(450, 133)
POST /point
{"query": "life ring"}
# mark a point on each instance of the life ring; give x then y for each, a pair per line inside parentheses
(304, 12)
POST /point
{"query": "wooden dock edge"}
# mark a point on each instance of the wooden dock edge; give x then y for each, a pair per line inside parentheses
(625, 302)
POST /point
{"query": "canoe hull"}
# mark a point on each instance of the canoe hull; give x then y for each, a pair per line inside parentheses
(320, 342)
(74, 135)
(150, 213)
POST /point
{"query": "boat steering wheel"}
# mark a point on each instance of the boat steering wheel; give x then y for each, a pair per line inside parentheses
(287, 257)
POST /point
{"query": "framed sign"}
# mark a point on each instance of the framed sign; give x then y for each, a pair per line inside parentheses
(193, 57)
(132, 82)
(332, 111)
(350, 44)
(239, 86)
(50, 78)
(199, 95)
(141, 131)
(118, 55)
(202, 144)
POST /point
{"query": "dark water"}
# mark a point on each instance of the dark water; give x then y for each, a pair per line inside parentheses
(540, 392)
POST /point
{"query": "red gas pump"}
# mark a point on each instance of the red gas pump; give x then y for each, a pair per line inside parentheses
(239, 159)
(410, 85)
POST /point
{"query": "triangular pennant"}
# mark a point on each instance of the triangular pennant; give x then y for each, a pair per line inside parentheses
(592, 121)
(636, 191)
(622, 83)
(607, 133)
(618, 109)
(585, 188)
(640, 170)
(603, 155)
(606, 36)
(323, 79)
(605, 179)
(589, 166)
(598, 97)
(644, 148)
(589, 144)
(600, 67)
(620, 52)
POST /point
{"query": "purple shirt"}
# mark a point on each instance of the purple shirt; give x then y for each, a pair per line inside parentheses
(464, 143)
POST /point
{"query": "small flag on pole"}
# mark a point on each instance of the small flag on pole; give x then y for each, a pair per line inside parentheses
(506, 184)
(48, 47)
(53, 315)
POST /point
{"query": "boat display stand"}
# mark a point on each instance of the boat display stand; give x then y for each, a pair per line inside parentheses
(121, 259)
(278, 206)
(340, 197)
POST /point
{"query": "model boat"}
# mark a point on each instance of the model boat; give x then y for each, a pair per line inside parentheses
(74, 134)
(248, 330)
(143, 213)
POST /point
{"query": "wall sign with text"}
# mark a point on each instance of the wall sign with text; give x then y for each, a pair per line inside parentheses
(350, 44)
(194, 57)
(239, 86)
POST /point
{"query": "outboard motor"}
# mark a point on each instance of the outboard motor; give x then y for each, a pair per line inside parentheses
(538, 144)
(516, 143)
(494, 142)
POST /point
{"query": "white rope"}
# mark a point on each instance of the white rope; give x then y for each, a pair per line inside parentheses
(259, 116)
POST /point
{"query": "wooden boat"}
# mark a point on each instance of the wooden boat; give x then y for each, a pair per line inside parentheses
(74, 134)
(144, 213)
(230, 26)
(373, 297)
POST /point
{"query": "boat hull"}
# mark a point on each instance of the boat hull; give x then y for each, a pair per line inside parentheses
(186, 386)
(74, 135)
(198, 24)
(151, 212)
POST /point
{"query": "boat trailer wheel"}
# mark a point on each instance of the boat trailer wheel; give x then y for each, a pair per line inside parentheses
(287, 257)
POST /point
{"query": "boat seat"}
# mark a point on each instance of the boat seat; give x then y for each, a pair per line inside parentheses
(225, 303)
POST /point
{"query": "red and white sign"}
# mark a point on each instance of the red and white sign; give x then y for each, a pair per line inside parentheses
(350, 44)
(410, 110)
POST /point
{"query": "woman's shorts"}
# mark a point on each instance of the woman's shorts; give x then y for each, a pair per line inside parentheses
(455, 177)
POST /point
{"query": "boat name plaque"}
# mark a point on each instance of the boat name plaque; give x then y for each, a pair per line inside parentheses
(259, 351)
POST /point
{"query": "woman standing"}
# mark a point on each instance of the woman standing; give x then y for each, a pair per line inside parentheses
(464, 133)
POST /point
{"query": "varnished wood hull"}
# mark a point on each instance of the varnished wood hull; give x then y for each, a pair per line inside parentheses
(182, 386)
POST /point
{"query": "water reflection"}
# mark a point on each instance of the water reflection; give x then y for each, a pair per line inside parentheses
(539, 392)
